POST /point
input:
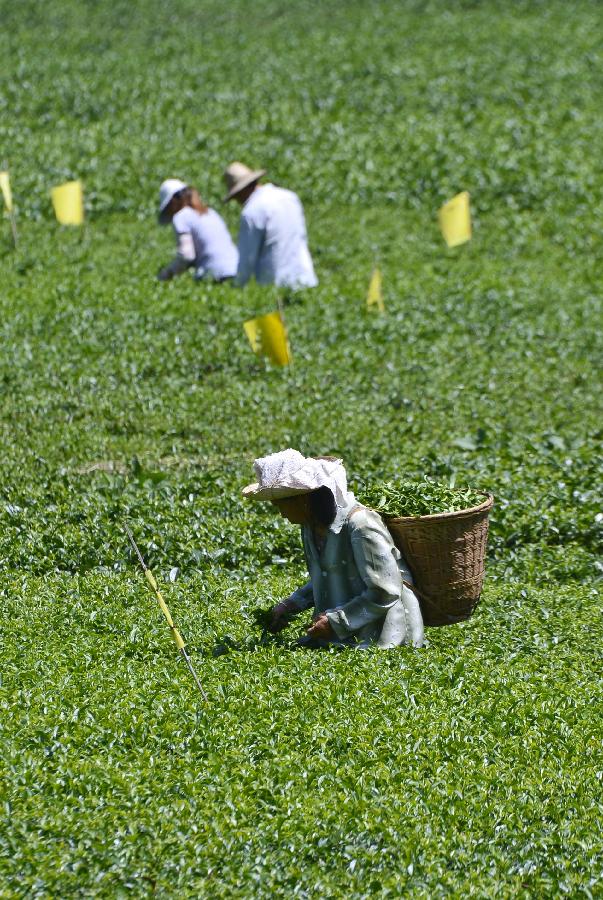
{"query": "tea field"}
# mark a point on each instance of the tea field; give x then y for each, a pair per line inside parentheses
(469, 768)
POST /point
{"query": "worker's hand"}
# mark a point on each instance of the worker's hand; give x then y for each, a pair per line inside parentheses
(280, 616)
(321, 629)
(164, 275)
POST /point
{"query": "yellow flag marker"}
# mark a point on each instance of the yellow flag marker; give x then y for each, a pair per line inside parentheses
(455, 220)
(6, 191)
(268, 337)
(68, 202)
(374, 296)
(8, 200)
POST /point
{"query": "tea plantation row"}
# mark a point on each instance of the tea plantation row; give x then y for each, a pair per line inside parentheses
(470, 768)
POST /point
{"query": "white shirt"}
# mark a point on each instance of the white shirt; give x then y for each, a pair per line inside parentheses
(205, 242)
(273, 243)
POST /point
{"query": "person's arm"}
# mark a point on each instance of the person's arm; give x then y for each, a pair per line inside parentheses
(298, 601)
(250, 244)
(378, 569)
(302, 598)
(185, 257)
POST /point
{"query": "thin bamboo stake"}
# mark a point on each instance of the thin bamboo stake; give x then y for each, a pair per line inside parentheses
(157, 593)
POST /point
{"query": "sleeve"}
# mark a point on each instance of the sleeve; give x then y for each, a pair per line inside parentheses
(302, 598)
(302, 218)
(250, 244)
(376, 562)
(185, 256)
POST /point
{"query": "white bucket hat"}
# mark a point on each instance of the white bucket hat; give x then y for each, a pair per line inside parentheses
(289, 473)
(167, 189)
(238, 176)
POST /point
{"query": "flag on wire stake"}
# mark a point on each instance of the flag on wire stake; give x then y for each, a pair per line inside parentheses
(68, 203)
(157, 593)
(6, 191)
(374, 296)
(268, 337)
(455, 220)
(280, 306)
(8, 200)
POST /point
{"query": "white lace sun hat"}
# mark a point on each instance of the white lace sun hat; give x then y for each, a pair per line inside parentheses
(289, 473)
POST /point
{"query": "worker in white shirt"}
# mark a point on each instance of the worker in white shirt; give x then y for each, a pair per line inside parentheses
(273, 243)
(203, 240)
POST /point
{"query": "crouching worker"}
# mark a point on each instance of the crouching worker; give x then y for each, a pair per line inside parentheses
(203, 240)
(356, 572)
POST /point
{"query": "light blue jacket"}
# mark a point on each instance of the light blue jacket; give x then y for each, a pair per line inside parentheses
(357, 581)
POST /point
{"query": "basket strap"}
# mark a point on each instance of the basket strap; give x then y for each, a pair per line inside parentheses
(414, 589)
(407, 584)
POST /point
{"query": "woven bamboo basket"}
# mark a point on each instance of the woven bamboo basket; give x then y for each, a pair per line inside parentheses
(446, 554)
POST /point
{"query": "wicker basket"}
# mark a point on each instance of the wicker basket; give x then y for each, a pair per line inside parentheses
(446, 555)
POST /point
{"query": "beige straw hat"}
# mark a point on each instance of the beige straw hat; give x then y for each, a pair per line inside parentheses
(239, 176)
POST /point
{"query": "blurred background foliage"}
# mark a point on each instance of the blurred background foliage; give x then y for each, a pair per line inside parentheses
(470, 769)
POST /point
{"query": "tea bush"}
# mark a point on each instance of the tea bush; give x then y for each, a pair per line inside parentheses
(469, 768)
